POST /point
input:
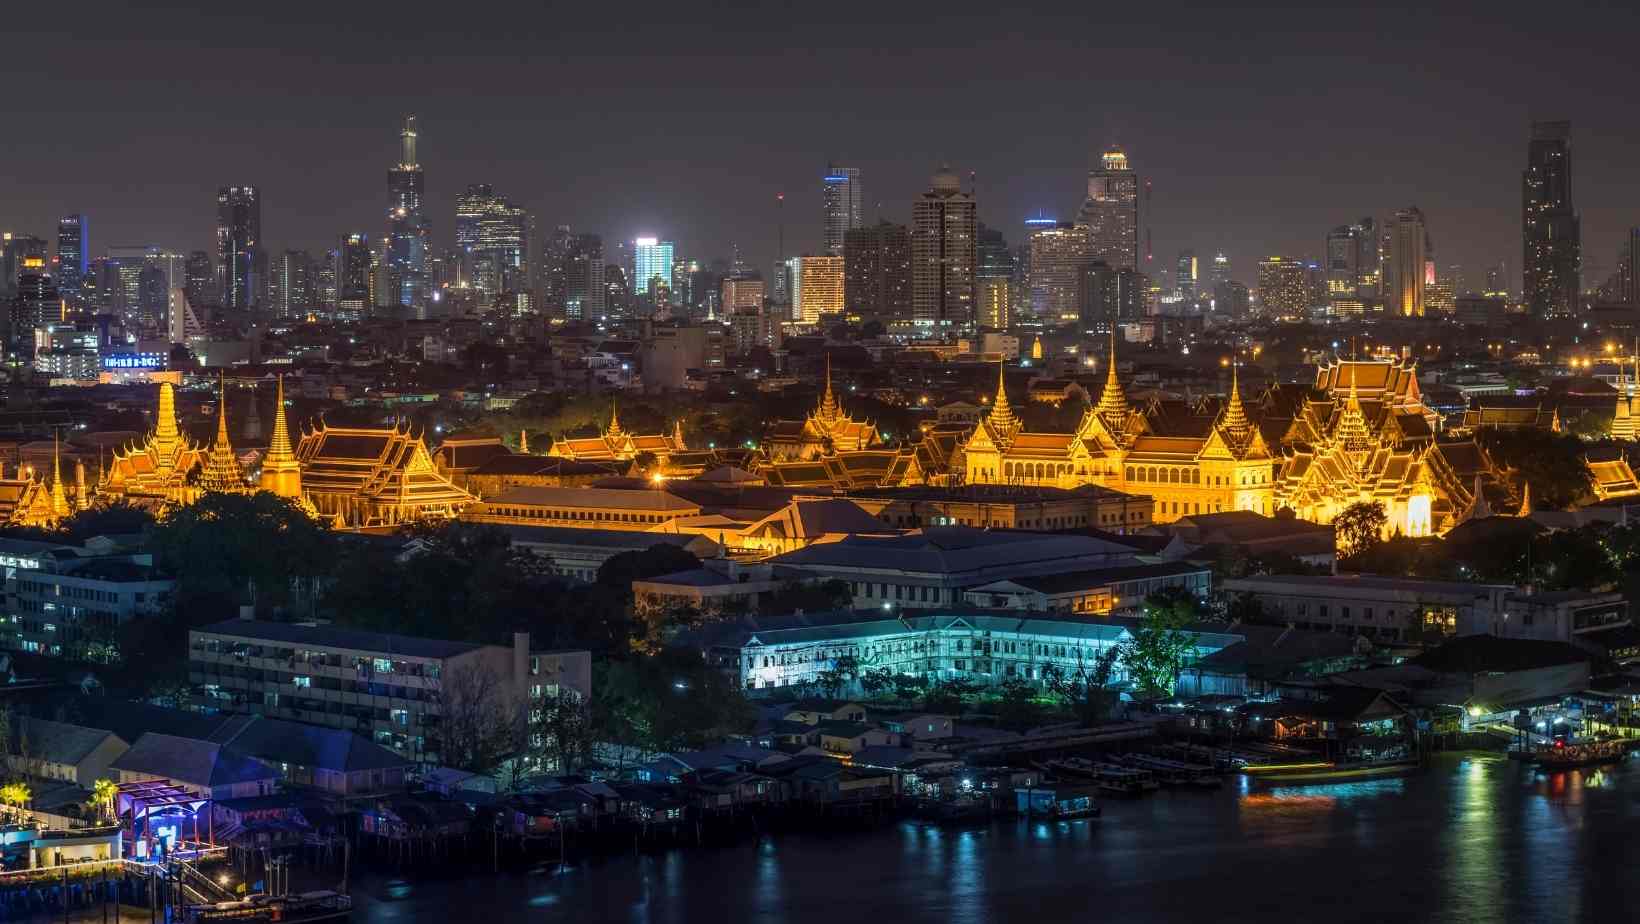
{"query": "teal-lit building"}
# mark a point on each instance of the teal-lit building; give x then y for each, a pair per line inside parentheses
(651, 260)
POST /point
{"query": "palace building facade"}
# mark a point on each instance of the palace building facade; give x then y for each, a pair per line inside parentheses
(826, 431)
(617, 445)
(1220, 463)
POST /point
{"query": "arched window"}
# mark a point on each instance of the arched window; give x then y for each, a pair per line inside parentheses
(1130, 473)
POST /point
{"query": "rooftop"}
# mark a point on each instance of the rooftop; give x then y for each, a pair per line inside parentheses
(333, 637)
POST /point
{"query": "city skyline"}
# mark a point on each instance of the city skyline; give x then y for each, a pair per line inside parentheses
(1220, 137)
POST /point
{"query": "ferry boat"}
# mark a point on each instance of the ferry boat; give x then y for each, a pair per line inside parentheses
(301, 908)
(1176, 772)
(1564, 755)
(1320, 771)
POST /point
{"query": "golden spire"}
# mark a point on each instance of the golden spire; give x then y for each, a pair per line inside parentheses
(1352, 424)
(82, 501)
(59, 500)
(524, 441)
(1235, 416)
(614, 432)
(167, 439)
(222, 472)
(677, 435)
(281, 473)
(828, 403)
(1002, 417)
(1112, 401)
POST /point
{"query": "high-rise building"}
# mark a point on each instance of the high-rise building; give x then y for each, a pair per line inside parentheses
(153, 298)
(35, 304)
(742, 293)
(241, 263)
(1283, 287)
(16, 252)
(1185, 275)
(843, 197)
(354, 276)
(407, 227)
(197, 276)
(72, 259)
(553, 254)
(1628, 269)
(944, 228)
(1221, 270)
(1406, 270)
(652, 262)
(582, 272)
(1059, 252)
(501, 261)
(1553, 259)
(993, 279)
(1105, 294)
(820, 280)
(292, 289)
(1347, 247)
(877, 271)
(1111, 212)
(470, 207)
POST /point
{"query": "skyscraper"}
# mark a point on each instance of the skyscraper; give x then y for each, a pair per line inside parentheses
(993, 279)
(353, 275)
(1553, 245)
(36, 303)
(470, 207)
(877, 271)
(944, 226)
(71, 256)
(501, 258)
(1628, 269)
(1221, 270)
(1111, 212)
(241, 264)
(1059, 252)
(582, 272)
(820, 280)
(1352, 261)
(1283, 287)
(292, 288)
(842, 195)
(1406, 270)
(16, 250)
(406, 258)
(1184, 275)
(652, 261)
(197, 276)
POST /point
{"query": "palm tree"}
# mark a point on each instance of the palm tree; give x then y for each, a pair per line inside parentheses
(15, 795)
(102, 798)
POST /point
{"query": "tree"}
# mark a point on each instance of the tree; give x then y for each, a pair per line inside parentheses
(1016, 705)
(949, 697)
(561, 732)
(15, 796)
(875, 683)
(832, 681)
(1158, 648)
(479, 722)
(670, 701)
(101, 802)
(1360, 528)
(229, 549)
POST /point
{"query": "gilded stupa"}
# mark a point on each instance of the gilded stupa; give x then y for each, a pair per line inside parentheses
(161, 469)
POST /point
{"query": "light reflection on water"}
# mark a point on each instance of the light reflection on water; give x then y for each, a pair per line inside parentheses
(1473, 840)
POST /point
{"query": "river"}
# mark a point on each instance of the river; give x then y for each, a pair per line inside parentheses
(1476, 838)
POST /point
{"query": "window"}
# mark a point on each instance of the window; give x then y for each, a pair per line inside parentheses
(302, 680)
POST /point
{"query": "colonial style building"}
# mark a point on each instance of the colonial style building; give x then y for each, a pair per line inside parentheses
(1219, 464)
(826, 431)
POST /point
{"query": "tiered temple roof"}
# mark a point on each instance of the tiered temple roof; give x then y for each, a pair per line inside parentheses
(362, 477)
(828, 429)
(162, 468)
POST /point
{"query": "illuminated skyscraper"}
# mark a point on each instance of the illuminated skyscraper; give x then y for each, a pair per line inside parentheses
(877, 271)
(1059, 252)
(353, 278)
(407, 232)
(241, 266)
(820, 280)
(993, 279)
(1352, 261)
(944, 254)
(1111, 212)
(197, 276)
(652, 261)
(582, 271)
(1406, 270)
(1221, 270)
(1553, 259)
(843, 197)
(71, 256)
(1184, 275)
(16, 250)
(1283, 287)
(292, 287)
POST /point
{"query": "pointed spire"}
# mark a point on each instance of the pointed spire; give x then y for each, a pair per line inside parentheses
(1113, 400)
(59, 499)
(1525, 500)
(82, 500)
(281, 473)
(222, 472)
(677, 435)
(1002, 417)
(1235, 416)
(614, 432)
(524, 442)
(828, 403)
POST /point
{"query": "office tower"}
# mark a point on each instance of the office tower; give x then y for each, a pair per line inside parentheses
(877, 271)
(1111, 212)
(820, 279)
(618, 298)
(1232, 298)
(153, 298)
(943, 254)
(1343, 262)
(72, 259)
(294, 290)
(742, 294)
(1405, 266)
(652, 261)
(1104, 293)
(197, 276)
(581, 269)
(993, 278)
(35, 304)
(241, 264)
(1283, 287)
(1185, 275)
(407, 227)
(1221, 270)
(16, 253)
(501, 261)
(470, 207)
(842, 196)
(353, 277)
(1553, 258)
(792, 269)
(325, 277)
(1628, 269)
(1058, 254)
(181, 320)
(1497, 280)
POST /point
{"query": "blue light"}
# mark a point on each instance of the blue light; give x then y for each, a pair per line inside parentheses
(1041, 221)
(836, 179)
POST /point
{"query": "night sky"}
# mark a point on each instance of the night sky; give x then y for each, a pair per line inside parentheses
(1261, 129)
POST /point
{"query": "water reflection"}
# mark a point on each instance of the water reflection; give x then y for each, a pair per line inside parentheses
(1306, 799)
